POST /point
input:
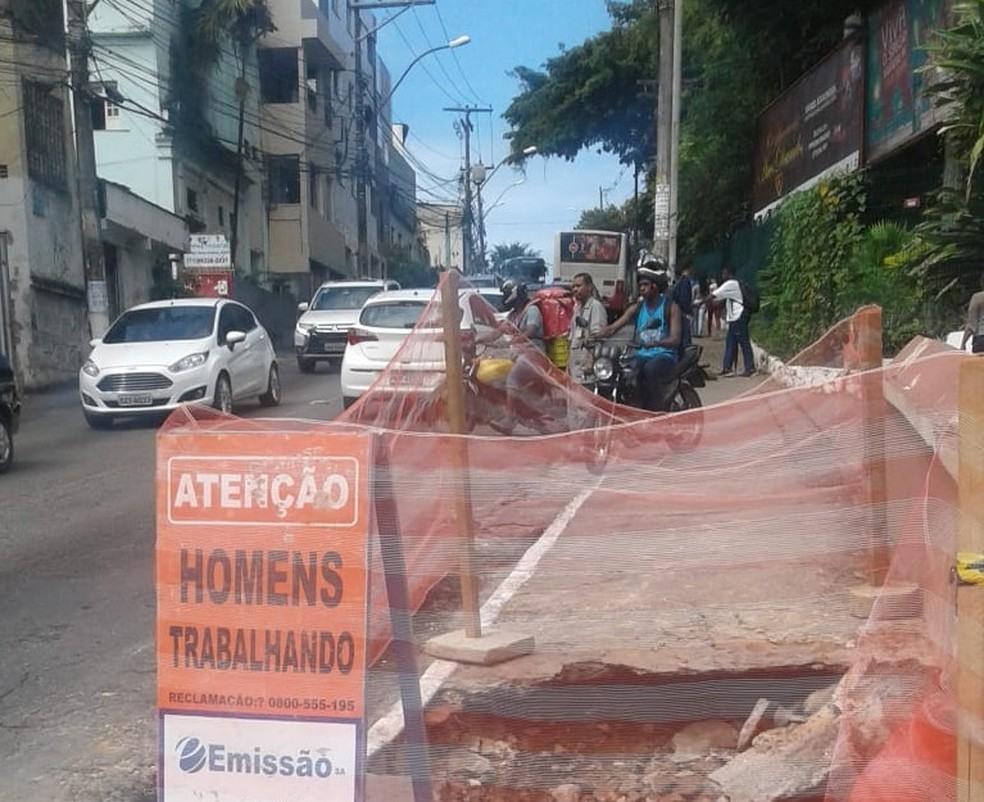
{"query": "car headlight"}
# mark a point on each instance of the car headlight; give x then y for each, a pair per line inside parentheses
(90, 368)
(603, 368)
(189, 362)
(304, 328)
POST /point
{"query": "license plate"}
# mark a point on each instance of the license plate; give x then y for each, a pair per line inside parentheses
(333, 348)
(134, 400)
(407, 379)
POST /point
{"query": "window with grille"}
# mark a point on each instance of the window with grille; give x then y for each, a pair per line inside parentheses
(284, 179)
(44, 127)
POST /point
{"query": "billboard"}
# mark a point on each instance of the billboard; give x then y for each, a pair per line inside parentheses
(814, 129)
(897, 107)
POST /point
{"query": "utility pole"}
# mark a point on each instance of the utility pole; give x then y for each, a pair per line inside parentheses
(675, 133)
(88, 183)
(466, 217)
(664, 119)
(361, 146)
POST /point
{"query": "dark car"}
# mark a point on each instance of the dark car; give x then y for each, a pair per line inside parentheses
(9, 413)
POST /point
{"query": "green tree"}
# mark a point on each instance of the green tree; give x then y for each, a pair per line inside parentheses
(737, 55)
(408, 271)
(500, 253)
(951, 235)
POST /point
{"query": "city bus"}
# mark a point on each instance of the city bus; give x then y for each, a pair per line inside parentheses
(602, 254)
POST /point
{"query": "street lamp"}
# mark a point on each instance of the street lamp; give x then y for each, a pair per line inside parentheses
(480, 177)
(458, 41)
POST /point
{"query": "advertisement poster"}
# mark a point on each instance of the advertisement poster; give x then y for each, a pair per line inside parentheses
(262, 591)
(812, 130)
(897, 105)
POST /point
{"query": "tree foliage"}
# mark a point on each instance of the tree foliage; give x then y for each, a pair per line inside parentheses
(951, 234)
(737, 55)
(500, 253)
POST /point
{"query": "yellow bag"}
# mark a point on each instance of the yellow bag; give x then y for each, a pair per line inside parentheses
(490, 371)
(559, 351)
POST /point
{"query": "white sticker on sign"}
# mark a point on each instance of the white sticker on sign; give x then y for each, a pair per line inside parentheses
(257, 760)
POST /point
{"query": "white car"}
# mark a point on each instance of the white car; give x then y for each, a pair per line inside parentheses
(385, 322)
(157, 356)
(323, 326)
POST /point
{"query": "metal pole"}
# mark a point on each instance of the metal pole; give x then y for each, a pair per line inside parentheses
(466, 220)
(675, 132)
(481, 228)
(664, 101)
(88, 182)
(361, 157)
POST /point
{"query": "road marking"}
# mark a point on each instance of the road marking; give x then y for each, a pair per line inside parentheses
(387, 728)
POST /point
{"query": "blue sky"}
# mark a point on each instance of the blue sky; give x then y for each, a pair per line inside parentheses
(504, 34)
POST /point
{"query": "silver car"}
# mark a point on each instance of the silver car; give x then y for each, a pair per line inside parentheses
(322, 329)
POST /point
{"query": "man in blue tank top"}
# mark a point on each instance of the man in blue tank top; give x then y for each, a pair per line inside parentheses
(658, 328)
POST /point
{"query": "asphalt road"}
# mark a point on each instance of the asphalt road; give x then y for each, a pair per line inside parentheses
(77, 612)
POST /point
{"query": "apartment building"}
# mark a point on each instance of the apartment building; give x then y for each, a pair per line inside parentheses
(42, 281)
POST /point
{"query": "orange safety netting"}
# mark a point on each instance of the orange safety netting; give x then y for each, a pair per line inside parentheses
(672, 583)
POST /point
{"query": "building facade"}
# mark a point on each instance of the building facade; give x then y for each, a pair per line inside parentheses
(42, 280)
(168, 126)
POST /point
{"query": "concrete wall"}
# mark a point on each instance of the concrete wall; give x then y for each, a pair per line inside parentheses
(46, 314)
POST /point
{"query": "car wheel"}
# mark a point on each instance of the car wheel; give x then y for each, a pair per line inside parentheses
(6, 446)
(272, 395)
(223, 395)
(305, 365)
(98, 421)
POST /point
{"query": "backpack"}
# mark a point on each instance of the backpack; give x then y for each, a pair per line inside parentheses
(750, 298)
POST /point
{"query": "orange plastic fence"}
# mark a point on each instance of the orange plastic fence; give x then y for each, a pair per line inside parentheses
(669, 586)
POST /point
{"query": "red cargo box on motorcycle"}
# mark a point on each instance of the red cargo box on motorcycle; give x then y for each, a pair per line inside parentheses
(557, 308)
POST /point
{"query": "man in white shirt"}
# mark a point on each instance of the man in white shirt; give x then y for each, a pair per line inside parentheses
(737, 320)
(590, 316)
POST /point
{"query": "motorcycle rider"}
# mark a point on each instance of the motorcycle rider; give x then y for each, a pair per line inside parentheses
(523, 314)
(658, 330)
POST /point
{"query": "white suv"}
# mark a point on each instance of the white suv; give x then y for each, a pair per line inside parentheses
(322, 329)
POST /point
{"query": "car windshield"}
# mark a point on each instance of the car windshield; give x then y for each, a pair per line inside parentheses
(162, 323)
(395, 315)
(342, 297)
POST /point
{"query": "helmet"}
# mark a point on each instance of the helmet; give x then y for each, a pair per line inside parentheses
(514, 294)
(654, 269)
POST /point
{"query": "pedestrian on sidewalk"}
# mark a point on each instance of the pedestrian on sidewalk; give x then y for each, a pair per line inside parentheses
(974, 328)
(736, 318)
(714, 325)
(683, 296)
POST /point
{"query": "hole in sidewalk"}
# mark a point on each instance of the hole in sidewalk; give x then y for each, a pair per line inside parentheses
(599, 732)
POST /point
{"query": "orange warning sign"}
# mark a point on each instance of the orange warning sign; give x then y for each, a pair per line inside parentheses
(262, 573)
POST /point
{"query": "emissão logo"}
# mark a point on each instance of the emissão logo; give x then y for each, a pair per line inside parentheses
(194, 756)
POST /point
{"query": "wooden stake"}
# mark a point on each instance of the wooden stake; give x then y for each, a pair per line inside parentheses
(970, 598)
(455, 387)
(867, 335)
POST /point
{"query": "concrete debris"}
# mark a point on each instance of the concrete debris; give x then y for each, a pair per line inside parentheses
(792, 766)
(697, 740)
(568, 792)
(816, 700)
(757, 722)
(468, 764)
